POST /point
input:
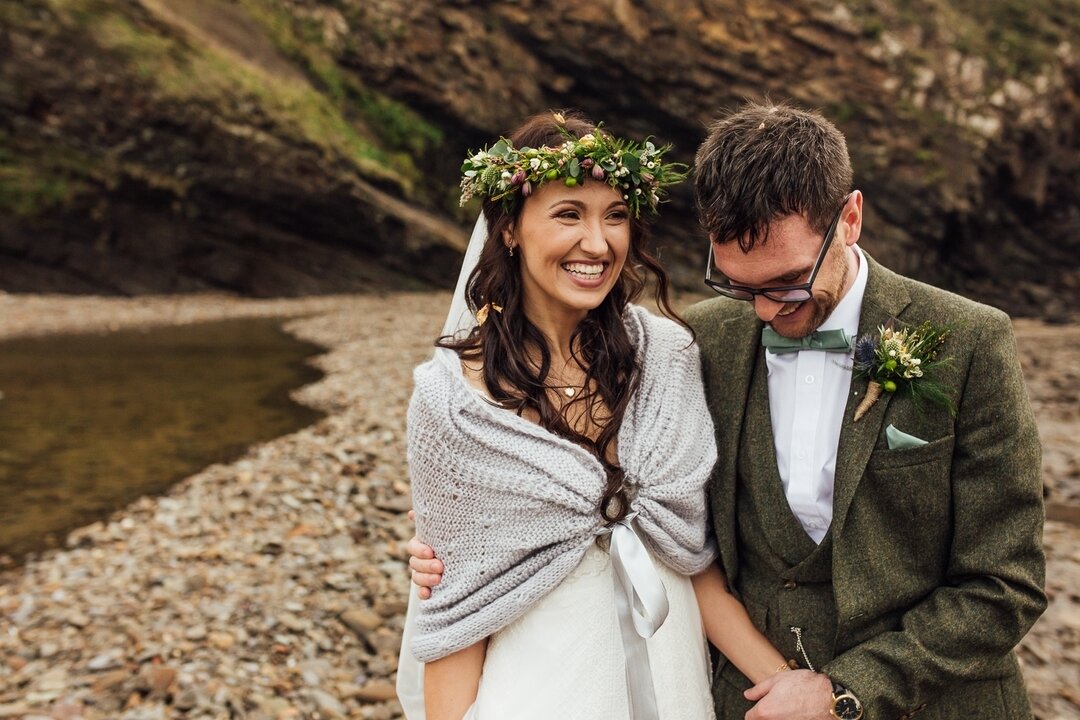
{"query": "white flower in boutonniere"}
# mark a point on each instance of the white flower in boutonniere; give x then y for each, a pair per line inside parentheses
(902, 361)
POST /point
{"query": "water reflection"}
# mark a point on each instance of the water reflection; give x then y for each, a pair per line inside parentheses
(89, 423)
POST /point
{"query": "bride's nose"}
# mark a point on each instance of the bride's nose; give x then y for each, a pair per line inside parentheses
(593, 239)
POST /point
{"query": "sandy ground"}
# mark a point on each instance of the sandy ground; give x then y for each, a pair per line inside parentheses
(273, 586)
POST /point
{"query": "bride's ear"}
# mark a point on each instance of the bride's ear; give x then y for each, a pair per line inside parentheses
(508, 236)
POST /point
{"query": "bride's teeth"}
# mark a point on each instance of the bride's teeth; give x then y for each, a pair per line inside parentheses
(582, 269)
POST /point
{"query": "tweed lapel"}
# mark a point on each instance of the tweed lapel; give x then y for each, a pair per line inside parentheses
(729, 347)
(885, 298)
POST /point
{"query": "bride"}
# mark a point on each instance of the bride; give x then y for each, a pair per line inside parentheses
(559, 447)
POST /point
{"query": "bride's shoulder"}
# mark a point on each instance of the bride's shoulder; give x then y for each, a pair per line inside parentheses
(447, 373)
(472, 371)
(435, 378)
(657, 333)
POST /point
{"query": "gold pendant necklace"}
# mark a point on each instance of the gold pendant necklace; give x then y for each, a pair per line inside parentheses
(567, 390)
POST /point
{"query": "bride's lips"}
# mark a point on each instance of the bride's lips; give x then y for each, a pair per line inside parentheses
(586, 274)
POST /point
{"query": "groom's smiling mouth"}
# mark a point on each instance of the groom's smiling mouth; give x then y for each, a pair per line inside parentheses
(794, 307)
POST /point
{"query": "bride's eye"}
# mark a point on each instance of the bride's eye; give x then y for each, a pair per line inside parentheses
(567, 215)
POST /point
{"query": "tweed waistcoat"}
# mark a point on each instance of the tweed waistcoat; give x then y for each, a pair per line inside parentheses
(785, 578)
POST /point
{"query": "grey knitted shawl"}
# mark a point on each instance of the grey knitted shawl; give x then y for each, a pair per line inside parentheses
(511, 508)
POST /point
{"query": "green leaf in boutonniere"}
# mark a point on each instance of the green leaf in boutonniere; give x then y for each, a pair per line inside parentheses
(905, 360)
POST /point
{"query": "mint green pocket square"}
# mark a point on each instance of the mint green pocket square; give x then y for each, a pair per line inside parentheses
(900, 440)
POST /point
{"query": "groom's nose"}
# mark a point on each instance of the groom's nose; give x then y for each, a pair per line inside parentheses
(765, 308)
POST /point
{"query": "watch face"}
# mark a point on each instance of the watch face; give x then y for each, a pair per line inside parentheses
(847, 708)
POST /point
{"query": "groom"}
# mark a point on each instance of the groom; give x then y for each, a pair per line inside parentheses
(897, 559)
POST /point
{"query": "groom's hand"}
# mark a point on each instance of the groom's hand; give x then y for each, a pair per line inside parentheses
(794, 695)
(426, 568)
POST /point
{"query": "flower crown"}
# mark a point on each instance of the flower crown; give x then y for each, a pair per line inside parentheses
(635, 170)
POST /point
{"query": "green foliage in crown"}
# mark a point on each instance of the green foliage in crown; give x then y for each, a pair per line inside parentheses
(635, 170)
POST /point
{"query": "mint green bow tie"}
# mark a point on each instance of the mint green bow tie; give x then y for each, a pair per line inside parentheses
(827, 340)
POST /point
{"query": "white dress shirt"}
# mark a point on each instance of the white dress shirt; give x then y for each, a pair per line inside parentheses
(808, 391)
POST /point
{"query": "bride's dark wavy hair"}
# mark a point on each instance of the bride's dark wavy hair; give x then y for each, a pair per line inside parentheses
(601, 344)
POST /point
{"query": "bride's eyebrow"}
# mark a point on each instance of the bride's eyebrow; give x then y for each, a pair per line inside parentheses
(564, 201)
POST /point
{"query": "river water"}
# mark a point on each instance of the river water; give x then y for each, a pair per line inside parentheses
(89, 423)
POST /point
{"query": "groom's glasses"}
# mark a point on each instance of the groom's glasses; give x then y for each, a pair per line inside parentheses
(784, 293)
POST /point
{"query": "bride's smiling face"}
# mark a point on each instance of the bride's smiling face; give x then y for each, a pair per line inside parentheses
(573, 244)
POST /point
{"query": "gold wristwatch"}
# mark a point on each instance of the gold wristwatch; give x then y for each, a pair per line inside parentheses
(845, 706)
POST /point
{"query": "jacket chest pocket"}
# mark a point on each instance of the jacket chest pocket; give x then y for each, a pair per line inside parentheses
(914, 485)
(936, 451)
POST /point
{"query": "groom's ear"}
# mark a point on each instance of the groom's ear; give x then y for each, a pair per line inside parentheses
(851, 219)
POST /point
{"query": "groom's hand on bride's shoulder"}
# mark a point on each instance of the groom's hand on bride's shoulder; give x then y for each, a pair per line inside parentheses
(795, 695)
(426, 568)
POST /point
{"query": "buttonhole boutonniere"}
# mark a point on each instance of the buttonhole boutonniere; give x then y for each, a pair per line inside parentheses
(903, 360)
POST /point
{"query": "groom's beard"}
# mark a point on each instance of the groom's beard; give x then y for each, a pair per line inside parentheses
(809, 315)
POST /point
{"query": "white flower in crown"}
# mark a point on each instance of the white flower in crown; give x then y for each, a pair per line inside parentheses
(503, 172)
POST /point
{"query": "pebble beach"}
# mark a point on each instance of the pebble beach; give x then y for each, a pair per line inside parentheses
(273, 587)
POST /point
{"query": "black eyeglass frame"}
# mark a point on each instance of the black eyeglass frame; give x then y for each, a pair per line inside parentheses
(741, 292)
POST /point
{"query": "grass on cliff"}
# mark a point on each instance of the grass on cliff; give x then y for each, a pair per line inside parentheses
(1017, 39)
(301, 40)
(243, 94)
(35, 182)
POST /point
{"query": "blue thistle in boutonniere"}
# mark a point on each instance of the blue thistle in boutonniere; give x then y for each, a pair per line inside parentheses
(905, 360)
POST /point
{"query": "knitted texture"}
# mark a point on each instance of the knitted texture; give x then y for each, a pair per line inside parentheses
(511, 508)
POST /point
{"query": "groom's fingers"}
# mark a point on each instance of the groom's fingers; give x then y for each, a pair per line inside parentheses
(760, 690)
(417, 549)
(426, 579)
(433, 566)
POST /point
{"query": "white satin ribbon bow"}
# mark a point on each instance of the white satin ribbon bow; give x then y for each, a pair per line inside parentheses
(642, 604)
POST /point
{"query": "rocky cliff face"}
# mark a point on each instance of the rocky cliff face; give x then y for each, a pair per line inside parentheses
(295, 146)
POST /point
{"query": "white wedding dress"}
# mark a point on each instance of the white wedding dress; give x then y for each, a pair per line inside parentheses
(564, 658)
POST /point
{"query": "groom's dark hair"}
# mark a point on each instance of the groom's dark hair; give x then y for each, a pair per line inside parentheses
(764, 162)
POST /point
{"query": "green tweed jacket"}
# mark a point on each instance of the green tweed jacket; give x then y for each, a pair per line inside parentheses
(937, 565)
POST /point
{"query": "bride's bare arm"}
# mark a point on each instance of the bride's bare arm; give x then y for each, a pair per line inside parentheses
(451, 683)
(729, 628)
